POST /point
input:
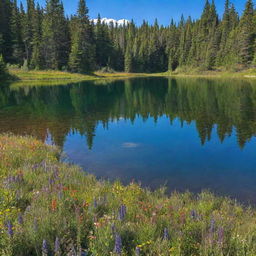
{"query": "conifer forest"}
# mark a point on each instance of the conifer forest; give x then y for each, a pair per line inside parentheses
(46, 38)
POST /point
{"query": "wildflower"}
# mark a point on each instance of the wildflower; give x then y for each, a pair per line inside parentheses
(54, 205)
(72, 252)
(194, 214)
(212, 226)
(95, 203)
(44, 248)
(51, 181)
(220, 236)
(97, 224)
(166, 234)
(10, 228)
(118, 245)
(122, 212)
(56, 174)
(57, 246)
(60, 195)
(137, 251)
(20, 219)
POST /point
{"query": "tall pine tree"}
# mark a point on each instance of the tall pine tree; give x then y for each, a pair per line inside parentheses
(82, 56)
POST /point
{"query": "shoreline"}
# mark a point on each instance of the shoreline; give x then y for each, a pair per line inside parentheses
(37, 78)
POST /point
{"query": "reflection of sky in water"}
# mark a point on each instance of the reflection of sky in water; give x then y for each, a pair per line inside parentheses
(160, 153)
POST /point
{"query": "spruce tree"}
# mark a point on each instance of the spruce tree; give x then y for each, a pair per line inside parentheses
(16, 35)
(37, 61)
(55, 36)
(5, 30)
(128, 66)
(104, 46)
(247, 34)
(82, 56)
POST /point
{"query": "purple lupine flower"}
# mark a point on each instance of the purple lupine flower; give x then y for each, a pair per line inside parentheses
(9, 228)
(51, 181)
(56, 173)
(35, 166)
(137, 251)
(166, 234)
(220, 236)
(95, 203)
(118, 245)
(194, 214)
(20, 219)
(212, 226)
(45, 248)
(28, 209)
(60, 195)
(57, 246)
(122, 212)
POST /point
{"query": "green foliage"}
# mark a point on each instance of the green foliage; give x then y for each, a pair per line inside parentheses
(55, 36)
(45, 200)
(3, 70)
(82, 56)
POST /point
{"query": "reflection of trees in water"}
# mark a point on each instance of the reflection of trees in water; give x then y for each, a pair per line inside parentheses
(80, 107)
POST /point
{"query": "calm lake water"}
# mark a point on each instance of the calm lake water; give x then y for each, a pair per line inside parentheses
(187, 134)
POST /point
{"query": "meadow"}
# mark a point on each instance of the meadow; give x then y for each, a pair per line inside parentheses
(48, 207)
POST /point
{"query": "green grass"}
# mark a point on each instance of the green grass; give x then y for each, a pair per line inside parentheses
(49, 77)
(43, 199)
(44, 78)
(216, 73)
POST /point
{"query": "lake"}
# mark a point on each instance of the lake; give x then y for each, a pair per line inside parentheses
(187, 134)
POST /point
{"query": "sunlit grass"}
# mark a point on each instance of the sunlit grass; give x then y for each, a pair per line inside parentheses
(51, 208)
(49, 77)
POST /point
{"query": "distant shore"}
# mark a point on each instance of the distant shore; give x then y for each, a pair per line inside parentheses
(49, 77)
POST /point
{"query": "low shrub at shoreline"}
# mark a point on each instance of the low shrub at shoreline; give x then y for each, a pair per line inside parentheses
(52, 208)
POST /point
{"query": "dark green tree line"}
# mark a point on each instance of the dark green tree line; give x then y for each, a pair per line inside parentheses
(45, 38)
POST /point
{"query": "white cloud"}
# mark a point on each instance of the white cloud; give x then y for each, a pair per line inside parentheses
(130, 145)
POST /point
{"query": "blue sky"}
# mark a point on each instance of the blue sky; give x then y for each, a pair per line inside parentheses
(138, 10)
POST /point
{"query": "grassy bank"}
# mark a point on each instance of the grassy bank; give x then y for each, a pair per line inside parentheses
(217, 73)
(49, 77)
(52, 208)
(33, 78)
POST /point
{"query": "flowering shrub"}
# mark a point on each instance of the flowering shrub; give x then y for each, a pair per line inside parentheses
(51, 208)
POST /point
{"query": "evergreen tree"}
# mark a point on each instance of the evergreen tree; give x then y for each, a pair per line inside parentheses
(3, 70)
(104, 46)
(82, 57)
(55, 36)
(247, 34)
(37, 61)
(16, 35)
(5, 30)
(128, 66)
